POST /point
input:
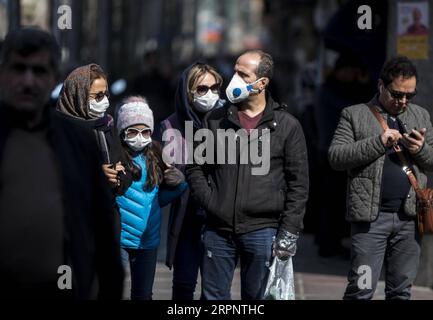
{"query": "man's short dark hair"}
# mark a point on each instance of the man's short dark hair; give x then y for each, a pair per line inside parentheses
(396, 67)
(28, 41)
(266, 65)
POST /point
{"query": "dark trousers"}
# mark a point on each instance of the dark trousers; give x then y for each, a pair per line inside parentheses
(188, 258)
(142, 264)
(221, 253)
(391, 240)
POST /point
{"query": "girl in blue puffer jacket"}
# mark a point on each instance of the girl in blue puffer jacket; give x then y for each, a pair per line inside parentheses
(155, 184)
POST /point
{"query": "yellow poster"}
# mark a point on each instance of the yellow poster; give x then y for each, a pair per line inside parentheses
(413, 30)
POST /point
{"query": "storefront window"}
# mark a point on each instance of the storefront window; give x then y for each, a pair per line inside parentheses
(3, 19)
(35, 13)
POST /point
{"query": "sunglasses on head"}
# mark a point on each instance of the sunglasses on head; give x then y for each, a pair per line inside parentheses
(203, 89)
(398, 95)
(100, 95)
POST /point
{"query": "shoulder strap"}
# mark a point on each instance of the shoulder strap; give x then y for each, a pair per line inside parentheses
(379, 118)
(406, 168)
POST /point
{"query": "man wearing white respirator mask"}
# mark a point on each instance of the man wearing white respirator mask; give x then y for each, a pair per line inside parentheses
(238, 90)
(250, 215)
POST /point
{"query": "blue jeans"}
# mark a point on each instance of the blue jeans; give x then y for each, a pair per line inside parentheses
(142, 264)
(391, 239)
(221, 253)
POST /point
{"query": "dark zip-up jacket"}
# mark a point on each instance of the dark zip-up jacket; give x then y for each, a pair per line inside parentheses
(235, 199)
(90, 241)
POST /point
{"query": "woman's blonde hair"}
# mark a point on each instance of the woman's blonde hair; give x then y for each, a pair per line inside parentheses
(196, 73)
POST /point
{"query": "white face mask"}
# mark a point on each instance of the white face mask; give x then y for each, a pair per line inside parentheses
(138, 143)
(205, 103)
(238, 90)
(97, 109)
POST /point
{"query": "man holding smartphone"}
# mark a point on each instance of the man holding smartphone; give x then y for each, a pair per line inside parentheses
(381, 201)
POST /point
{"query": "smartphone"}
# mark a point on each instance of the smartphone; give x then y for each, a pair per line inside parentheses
(412, 135)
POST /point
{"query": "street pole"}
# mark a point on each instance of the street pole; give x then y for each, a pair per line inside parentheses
(74, 37)
(14, 14)
(104, 28)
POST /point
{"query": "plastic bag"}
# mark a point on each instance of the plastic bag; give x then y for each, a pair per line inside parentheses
(281, 282)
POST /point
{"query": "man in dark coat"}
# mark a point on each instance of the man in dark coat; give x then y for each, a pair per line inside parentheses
(249, 202)
(57, 233)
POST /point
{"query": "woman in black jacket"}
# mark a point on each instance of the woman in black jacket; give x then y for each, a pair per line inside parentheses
(197, 93)
(84, 98)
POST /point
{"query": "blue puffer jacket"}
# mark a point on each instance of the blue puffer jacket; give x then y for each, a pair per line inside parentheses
(140, 210)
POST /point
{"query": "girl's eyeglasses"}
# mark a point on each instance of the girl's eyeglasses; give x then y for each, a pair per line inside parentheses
(131, 133)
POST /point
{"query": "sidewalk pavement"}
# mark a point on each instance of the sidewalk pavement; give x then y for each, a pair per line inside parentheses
(316, 278)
